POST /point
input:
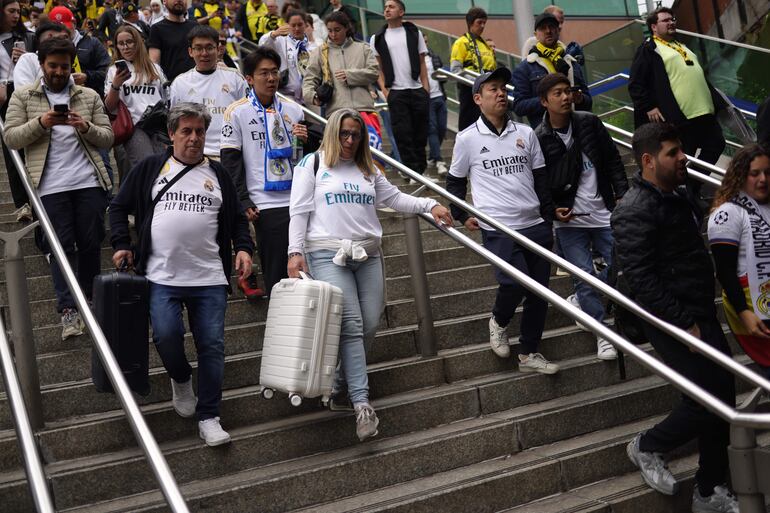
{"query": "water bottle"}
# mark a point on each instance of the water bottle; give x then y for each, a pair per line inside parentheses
(297, 151)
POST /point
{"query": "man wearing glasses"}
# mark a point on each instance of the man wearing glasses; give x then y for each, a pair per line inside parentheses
(668, 85)
(214, 87)
(257, 151)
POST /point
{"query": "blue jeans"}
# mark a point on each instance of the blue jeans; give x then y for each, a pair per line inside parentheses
(362, 289)
(577, 244)
(437, 127)
(206, 313)
(510, 292)
(385, 115)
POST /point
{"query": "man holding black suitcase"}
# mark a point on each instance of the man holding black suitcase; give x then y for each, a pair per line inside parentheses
(189, 222)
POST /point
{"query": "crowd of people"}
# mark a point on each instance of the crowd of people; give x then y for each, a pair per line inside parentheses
(145, 110)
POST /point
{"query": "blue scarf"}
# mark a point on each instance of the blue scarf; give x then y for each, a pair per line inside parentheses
(277, 165)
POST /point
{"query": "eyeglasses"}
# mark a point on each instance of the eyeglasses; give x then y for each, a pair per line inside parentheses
(350, 134)
(204, 49)
(668, 20)
(127, 43)
(270, 73)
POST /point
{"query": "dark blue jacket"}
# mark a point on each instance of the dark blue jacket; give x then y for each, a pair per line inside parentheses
(526, 77)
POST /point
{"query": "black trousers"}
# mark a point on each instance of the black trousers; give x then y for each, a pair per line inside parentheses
(409, 118)
(469, 111)
(272, 229)
(689, 419)
(703, 133)
(18, 193)
(510, 292)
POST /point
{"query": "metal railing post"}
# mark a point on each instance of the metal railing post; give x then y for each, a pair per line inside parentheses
(426, 338)
(21, 324)
(38, 485)
(364, 23)
(743, 468)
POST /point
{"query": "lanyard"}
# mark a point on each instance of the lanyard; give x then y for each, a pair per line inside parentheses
(677, 47)
(270, 153)
(476, 50)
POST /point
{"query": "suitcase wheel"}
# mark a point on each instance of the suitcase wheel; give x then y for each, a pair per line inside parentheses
(267, 393)
(295, 400)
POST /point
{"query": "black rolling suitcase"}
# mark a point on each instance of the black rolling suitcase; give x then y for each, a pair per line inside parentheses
(122, 308)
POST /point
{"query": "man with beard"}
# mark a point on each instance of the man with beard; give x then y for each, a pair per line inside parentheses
(168, 40)
(664, 261)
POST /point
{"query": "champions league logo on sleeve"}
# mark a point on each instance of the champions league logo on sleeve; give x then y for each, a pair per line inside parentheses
(227, 130)
(721, 217)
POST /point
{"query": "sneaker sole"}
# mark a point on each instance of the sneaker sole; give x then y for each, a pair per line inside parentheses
(630, 452)
(607, 358)
(182, 414)
(507, 354)
(68, 335)
(541, 371)
(216, 442)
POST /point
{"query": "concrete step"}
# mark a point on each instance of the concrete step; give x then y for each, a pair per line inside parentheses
(627, 401)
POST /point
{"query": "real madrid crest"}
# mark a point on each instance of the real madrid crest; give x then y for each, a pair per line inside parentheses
(764, 297)
(226, 88)
(277, 133)
(278, 167)
(520, 143)
(208, 185)
(302, 60)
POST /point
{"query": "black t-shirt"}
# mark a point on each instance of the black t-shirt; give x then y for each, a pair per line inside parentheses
(171, 39)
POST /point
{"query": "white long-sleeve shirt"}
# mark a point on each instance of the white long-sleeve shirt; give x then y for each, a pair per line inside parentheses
(341, 203)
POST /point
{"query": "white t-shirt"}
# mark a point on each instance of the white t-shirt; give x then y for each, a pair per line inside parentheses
(137, 96)
(67, 167)
(587, 199)
(244, 130)
(27, 70)
(6, 64)
(435, 87)
(216, 90)
(500, 169)
(395, 38)
(730, 224)
(184, 228)
(343, 202)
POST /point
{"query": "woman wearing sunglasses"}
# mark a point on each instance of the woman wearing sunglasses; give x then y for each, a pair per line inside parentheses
(334, 233)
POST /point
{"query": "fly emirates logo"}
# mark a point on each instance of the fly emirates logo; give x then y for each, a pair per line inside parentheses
(184, 202)
(507, 165)
(351, 195)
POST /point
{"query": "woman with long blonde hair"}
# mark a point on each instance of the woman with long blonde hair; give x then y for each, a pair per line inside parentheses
(138, 85)
(335, 234)
(739, 236)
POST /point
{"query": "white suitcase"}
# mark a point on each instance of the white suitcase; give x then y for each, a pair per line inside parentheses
(302, 336)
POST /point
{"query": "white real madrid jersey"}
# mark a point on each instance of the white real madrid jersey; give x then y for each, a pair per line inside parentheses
(244, 129)
(216, 90)
(500, 170)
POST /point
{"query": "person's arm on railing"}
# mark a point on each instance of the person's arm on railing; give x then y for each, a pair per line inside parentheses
(635, 241)
(365, 76)
(525, 101)
(20, 131)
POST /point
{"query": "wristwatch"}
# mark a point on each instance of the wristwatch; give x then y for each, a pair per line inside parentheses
(292, 255)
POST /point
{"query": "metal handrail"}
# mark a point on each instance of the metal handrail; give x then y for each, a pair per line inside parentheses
(717, 39)
(729, 414)
(705, 165)
(142, 432)
(623, 301)
(38, 485)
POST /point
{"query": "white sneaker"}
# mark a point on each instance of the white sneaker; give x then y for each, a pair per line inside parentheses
(721, 501)
(605, 350)
(24, 214)
(183, 398)
(431, 163)
(72, 324)
(498, 339)
(441, 168)
(536, 362)
(366, 421)
(212, 433)
(654, 470)
(573, 300)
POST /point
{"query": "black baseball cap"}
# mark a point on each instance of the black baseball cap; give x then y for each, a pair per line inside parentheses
(545, 18)
(129, 8)
(501, 73)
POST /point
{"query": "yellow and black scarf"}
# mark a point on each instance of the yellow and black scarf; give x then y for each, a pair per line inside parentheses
(554, 58)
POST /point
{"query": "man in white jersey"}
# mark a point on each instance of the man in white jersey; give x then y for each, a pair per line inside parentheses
(214, 87)
(257, 151)
(578, 143)
(506, 169)
(189, 224)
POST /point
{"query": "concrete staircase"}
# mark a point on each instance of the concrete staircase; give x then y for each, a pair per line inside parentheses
(463, 431)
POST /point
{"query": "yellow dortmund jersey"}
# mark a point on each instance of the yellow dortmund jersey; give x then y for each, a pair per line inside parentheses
(253, 16)
(464, 51)
(216, 21)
